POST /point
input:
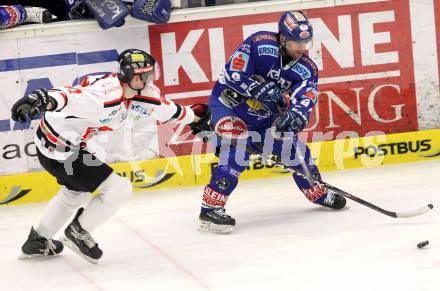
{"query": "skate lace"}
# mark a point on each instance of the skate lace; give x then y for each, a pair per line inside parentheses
(330, 198)
(85, 237)
(221, 212)
(50, 247)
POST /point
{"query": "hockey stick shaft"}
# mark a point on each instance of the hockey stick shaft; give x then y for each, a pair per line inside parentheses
(279, 163)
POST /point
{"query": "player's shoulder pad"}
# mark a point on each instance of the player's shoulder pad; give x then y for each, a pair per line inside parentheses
(306, 68)
(106, 87)
(264, 37)
(151, 90)
(265, 44)
(150, 94)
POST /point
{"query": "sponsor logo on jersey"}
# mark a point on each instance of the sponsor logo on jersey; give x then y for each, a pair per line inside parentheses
(109, 117)
(231, 127)
(264, 37)
(268, 50)
(397, 148)
(310, 63)
(245, 48)
(140, 109)
(239, 62)
(302, 70)
(107, 91)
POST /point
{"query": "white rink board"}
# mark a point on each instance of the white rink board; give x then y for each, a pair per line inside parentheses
(83, 38)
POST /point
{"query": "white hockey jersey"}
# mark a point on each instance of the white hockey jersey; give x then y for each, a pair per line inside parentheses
(95, 106)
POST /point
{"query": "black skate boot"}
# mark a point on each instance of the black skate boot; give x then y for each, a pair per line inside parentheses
(334, 201)
(38, 246)
(80, 241)
(216, 220)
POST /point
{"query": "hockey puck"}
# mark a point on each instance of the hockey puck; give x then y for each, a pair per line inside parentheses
(422, 244)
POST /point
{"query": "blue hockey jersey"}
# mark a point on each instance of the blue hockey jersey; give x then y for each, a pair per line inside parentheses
(258, 59)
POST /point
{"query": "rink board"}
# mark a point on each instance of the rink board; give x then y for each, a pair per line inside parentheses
(180, 171)
(377, 63)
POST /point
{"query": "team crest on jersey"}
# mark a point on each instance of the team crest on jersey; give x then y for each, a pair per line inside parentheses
(254, 104)
(268, 50)
(256, 109)
(239, 62)
(302, 70)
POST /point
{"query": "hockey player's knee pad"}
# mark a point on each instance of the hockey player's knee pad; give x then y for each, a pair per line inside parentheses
(115, 190)
(72, 199)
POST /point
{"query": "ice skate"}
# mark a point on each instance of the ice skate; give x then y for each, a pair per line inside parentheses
(80, 241)
(334, 201)
(38, 246)
(216, 221)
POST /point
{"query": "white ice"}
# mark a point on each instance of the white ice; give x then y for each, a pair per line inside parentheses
(281, 241)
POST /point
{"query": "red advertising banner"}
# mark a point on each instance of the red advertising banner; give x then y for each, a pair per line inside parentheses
(363, 53)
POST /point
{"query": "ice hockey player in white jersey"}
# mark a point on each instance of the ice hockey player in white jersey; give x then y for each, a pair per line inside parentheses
(73, 115)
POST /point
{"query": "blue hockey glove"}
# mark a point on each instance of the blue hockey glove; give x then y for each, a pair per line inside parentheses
(269, 95)
(293, 120)
(157, 11)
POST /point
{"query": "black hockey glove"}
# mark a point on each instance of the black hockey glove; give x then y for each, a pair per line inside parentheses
(32, 105)
(205, 124)
(269, 94)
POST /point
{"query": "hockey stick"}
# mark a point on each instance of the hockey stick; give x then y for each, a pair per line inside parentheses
(277, 161)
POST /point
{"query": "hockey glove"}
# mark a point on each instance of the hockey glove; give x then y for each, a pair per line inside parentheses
(157, 11)
(293, 120)
(32, 105)
(205, 123)
(269, 95)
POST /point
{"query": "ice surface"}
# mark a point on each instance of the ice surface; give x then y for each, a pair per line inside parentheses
(281, 241)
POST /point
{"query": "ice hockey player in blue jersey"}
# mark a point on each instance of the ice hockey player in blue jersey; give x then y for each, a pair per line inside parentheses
(264, 96)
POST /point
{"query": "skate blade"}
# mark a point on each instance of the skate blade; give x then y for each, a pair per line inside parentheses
(24, 256)
(68, 243)
(206, 226)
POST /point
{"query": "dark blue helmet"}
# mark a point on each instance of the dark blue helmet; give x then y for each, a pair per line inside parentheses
(294, 25)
